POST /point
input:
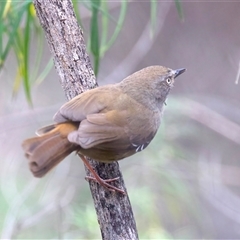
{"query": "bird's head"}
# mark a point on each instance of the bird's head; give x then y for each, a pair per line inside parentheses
(151, 85)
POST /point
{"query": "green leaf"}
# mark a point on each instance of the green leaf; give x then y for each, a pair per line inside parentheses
(179, 9)
(26, 46)
(45, 72)
(118, 28)
(94, 41)
(105, 21)
(153, 16)
(76, 10)
(11, 25)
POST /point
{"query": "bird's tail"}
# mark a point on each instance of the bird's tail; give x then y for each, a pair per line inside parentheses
(49, 148)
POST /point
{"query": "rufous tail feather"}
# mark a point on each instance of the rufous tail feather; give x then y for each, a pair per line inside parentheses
(47, 150)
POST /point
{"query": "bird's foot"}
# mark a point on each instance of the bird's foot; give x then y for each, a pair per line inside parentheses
(98, 179)
(105, 183)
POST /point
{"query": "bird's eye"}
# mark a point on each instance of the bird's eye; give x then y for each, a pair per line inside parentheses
(168, 80)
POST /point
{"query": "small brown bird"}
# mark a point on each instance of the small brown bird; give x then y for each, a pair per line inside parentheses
(107, 123)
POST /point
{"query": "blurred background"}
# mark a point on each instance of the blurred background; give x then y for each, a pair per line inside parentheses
(186, 184)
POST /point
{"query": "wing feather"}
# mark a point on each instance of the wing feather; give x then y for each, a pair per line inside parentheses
(94, 130)
(89, 102)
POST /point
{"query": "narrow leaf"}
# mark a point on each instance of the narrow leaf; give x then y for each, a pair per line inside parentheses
(15, 20)
(117, 29)
(105, 21)
(179, 9)
(94, 42)
(153, 16)
(27, 36)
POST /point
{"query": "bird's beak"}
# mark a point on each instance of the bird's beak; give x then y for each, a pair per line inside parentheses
(178, 72)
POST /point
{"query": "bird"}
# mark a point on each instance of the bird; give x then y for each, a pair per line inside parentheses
(107, 123)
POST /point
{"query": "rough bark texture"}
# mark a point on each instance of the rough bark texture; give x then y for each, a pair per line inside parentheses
(65, 39)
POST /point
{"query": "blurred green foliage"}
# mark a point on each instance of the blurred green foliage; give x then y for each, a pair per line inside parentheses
(19, 24)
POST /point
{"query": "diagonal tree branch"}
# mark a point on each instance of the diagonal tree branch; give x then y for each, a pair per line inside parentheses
(66, 42)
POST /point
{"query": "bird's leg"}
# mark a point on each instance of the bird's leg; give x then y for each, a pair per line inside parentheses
(98, 179)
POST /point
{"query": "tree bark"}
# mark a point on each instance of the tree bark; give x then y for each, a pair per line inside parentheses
(66, 42)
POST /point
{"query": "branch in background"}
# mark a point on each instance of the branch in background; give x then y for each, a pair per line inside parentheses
(212, 120)
(238, 74)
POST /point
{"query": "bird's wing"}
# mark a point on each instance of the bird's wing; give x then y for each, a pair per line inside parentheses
(105, 120)
(96, 129)
(89, 102)
(118, 129)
